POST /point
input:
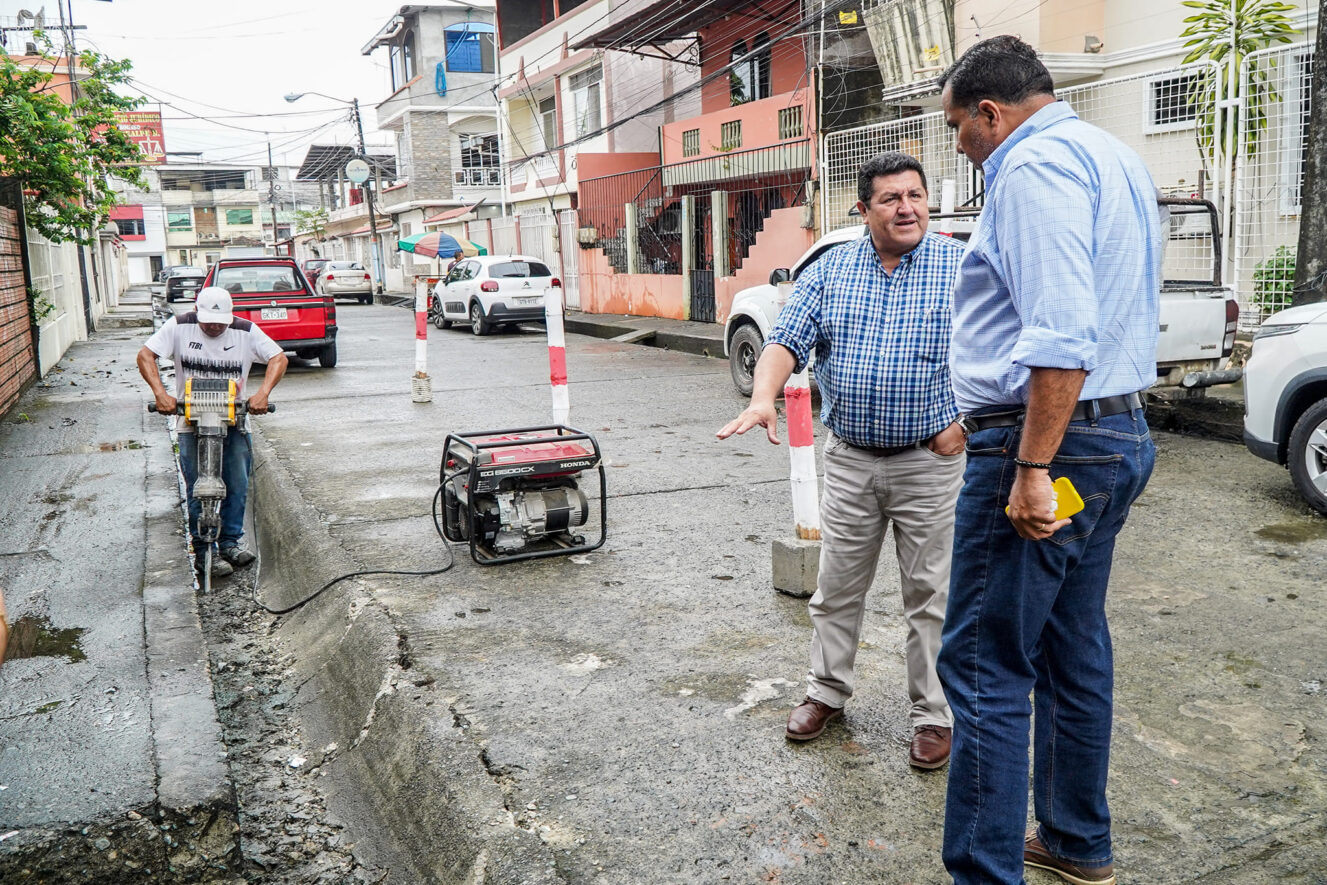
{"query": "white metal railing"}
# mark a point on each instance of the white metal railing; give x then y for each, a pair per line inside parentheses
(1269, 177)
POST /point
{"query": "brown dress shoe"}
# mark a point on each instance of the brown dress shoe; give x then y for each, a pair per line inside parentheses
(1036, 855)
(808, 719)
(930, 746)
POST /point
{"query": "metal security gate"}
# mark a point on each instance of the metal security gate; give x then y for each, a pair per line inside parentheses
(702, 273)
(18, 356)
(569, 250)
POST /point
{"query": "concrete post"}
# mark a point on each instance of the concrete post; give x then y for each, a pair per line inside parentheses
(557, 354)
(633, 238)
(948, 197)
(719, 232)
(796, 563)
(421, 386)
(688, 251)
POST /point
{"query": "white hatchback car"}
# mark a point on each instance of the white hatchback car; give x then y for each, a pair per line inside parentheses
(346, 278)
(1285, 397)
(492, 290)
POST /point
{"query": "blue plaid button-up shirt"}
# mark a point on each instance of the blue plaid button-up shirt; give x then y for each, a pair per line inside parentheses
(881, 339)
(1064, 268)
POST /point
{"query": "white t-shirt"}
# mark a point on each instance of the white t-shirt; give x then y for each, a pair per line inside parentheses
(197, 355)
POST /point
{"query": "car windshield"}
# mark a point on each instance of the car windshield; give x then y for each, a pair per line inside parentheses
(188, 272)
(504, 269)
(315, 262)
(246, 280)
(343, 265)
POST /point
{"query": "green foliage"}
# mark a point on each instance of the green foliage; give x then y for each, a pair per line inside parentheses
(1274, 280)
(42, 307)
(1257, 25)
(311, 221)
(65, 155)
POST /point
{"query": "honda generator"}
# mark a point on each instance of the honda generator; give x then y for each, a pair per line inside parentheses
(517, 494)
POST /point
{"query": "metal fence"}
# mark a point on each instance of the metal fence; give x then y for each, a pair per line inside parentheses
(1269, 177)
(1157, 113)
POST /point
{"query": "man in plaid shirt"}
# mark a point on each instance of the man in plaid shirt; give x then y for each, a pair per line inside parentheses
(876, 312)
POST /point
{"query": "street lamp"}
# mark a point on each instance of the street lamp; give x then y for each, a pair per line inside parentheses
(375, 249)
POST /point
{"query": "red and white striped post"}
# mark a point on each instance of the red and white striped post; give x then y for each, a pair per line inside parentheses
(801, 447)
(421, 386)
(557, 352)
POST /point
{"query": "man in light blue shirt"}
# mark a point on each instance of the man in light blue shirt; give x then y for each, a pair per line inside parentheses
(1055, 328)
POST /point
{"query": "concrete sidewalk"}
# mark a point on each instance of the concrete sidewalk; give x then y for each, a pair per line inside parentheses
(112, 767)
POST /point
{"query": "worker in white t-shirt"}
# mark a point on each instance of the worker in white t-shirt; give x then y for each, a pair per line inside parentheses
(209, 342)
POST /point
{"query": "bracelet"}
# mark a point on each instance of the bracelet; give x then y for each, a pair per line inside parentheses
(1035, 465)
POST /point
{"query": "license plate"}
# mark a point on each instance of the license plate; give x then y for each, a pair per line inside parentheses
(189, 284)
(534, 300)
(274, 313)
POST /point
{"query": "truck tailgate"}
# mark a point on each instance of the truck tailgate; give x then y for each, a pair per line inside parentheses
(1193, 324)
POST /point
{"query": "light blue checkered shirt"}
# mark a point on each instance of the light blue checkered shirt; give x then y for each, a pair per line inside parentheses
(881, 340)
(1064, 268)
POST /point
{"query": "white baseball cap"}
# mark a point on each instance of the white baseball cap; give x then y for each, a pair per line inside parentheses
(213, 305)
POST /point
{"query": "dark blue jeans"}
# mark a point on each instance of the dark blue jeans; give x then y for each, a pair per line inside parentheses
(236, 462)
(1029, 617)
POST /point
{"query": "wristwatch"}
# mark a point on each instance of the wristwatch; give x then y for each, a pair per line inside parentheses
(966, 423)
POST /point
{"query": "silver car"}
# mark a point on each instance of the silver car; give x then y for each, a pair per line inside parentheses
(346, 278)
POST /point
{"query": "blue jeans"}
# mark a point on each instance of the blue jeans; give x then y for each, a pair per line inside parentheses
(236, 463)
(1029, 617)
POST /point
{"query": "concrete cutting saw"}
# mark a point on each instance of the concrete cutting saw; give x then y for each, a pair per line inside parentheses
(518, 494)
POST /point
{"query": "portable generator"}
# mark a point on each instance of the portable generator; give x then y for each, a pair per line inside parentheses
(517, 494)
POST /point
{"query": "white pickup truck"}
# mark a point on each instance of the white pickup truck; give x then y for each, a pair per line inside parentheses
(1198, 316)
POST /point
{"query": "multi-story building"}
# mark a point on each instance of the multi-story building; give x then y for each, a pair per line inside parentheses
(442, 63)
(669, 229)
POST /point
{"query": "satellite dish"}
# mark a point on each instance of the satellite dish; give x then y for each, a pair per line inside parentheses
(357, 171)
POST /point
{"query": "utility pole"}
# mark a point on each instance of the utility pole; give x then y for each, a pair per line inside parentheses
(374, 250)
(67, 30)
(271, 193)
(1311, 256)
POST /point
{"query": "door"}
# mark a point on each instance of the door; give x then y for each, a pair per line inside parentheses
(702, 271)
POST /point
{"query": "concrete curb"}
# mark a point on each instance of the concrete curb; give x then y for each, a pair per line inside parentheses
(194, 791)
(381, 749)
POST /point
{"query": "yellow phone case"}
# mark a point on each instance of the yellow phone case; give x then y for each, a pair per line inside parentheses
(1067, 500)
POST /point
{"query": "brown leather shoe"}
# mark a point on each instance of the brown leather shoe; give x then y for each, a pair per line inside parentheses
(1036, 855)
(808, 719)
(930, 746)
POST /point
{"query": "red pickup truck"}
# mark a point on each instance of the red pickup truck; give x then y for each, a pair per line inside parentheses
(274, 294)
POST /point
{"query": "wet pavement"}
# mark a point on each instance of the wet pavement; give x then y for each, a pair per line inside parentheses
(628, 704)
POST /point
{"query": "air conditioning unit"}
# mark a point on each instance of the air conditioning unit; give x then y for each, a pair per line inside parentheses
(587, 235)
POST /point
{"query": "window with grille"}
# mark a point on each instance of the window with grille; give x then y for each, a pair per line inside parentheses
(130, 227)
(730, 135)
(479, 161)
(1171, 103)
(790, 122)
(691, 143)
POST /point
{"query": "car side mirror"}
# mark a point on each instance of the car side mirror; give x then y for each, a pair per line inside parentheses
(780, 275)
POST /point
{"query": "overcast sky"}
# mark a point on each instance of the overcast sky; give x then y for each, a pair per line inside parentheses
(242, 56)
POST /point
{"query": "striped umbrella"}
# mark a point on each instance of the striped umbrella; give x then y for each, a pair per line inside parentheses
(437, 243)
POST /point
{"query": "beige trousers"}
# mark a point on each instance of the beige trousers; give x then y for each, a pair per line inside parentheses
(916, 490)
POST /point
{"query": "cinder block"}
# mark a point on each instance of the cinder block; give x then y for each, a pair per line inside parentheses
(796, 567)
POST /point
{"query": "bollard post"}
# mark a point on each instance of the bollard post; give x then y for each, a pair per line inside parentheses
(796, 563)
(557, 354)
(948, 196)
(421, 386)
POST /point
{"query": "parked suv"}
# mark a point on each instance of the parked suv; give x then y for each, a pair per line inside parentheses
(492, 290)
(275, 295)
(1285, 397)
(184, 282)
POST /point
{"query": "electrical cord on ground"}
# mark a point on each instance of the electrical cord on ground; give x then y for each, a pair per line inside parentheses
(451, 561)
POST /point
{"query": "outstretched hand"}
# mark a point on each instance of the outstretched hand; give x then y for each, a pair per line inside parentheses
(755, 415)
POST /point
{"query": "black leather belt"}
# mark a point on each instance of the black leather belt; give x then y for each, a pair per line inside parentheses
(886, 451)
(1083, 411)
